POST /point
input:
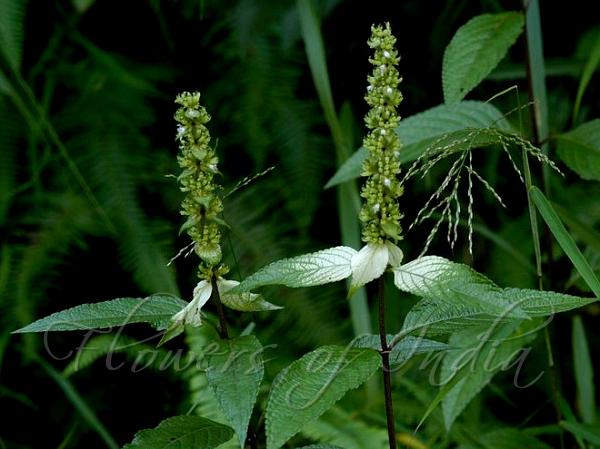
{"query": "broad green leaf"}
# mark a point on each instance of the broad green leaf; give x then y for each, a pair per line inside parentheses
(505, 439)
(178, 432)
(580, 150)
(455, 296)
(235, 371)
(350, 169)
(584, 372)
(200, 340)
(321, 267)
(589, 432)
(479, 353)
(464, 125)
(565, 240)
(404, 349)
(156, 310)
(475, 50)
(311, 385)
(321, 446)
(346, 430)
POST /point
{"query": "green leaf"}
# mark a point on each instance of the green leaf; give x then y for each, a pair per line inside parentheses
(321, 446)
(584, 372)
(404, 349)
(479, 353)
(456, 296)
(311, 385)
(588, 70)
(580, 150)
(350, 169)
(589, 432)
(464, 125)
(156, 310)
(506, 439)
(565, 240)
(475, 50)
(321, 267)
(189, 432)
(235, 372)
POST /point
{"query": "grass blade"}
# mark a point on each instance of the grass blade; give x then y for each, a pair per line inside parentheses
(565, 240)
(584, 372)
(347, 195)
(78, 402)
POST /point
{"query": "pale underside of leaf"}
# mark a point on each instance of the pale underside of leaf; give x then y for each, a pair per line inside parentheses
(455, 295)
(321, 267)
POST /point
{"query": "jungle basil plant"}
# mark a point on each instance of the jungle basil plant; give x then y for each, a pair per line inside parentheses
(455, 299)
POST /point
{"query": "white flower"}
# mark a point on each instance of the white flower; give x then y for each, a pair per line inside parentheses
(190, 314)
(244, 302)
(371, 261)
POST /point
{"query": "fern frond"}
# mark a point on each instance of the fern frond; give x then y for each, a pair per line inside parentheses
(12, 18)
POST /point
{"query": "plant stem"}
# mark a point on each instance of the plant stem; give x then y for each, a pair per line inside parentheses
(223, 332)
(385, 358)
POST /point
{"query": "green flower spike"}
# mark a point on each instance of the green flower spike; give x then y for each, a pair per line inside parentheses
(202, 207)
(380, 214)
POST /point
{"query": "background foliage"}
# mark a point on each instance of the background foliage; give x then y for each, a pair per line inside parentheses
(88, 213)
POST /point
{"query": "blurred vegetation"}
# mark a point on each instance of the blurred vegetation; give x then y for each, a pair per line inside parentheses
(88, 210)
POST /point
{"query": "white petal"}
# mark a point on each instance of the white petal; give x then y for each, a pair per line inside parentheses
(368, 264)
(202, 293)
(190, 314)
(396, 254)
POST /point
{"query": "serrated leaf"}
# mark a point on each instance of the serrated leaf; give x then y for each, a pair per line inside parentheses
(475, 50)
(479, 353)
(467, 124)
(580, 150)
(189, 432)
(156, 310)
(235, 372)
(455, 296)
(311, 385)
(321, 267)
(404, 349)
